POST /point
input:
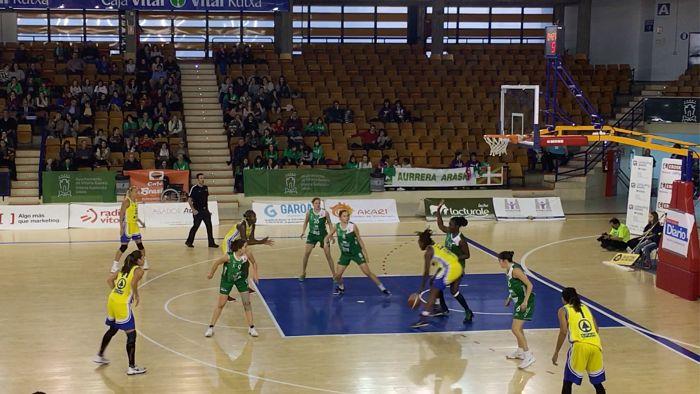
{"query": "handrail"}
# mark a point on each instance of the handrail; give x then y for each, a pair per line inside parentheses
(42, 158)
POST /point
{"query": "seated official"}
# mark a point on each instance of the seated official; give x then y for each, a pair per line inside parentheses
(616, 239)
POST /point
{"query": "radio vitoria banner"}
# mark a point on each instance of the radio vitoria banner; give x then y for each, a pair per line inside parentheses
(151, 5)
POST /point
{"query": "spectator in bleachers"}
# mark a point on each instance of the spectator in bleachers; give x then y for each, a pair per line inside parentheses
(250, 123)
(50, 165)
(101, 135)
(90, 53)
(317, 154)
(100, 88)
(278, 127)
(102, 154)
(271, 153)
(221, 60)
(258, 163)
(293, 123)
(131, 163)
(369, 138)
(182, 150)
(116, 140)
(72, 126)
(172, 100)
(102, 65)
(317, 128)
(457, 161)
(267, 138)
(131, 144)
(41, 102)
(75, 65)
(7, 159)
(386, 114)
(130, 126)
(181, 164)
(406, 163)
(295, 138)
(163, 154)
(8, 124)
(240, 152)
(146, 143)
(291, 155)
(84, 155)
(66, 155)
(14, 87)
(306, 156)
(17, 72)
(282, 88)
(143, 71)
(253, 140)
(75, 89)
(400, 113)
(88, 113)
(616, 239)
(175, 128)
(72, 108)
(238, 185)
(352, 162)
(271, 164)
(130, 68)
(335, 114)
(56, 126)
(145, 124)
(21, 54)
(239, 87)
(88, 88)
(365, 162)
(383, 140)
(13, 103)
(115, 102)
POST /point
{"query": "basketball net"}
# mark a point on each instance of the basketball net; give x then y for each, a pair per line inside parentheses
(498, 145)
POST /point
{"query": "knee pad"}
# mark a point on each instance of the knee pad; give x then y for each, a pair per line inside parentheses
(123, 248)
(140, 246)
(131, 338)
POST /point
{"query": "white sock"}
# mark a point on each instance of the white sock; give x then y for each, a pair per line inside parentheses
(381, 287)
(520, 350)
(528, 353)
(115, 266)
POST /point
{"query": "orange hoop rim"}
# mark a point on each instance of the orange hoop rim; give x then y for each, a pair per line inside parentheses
(513, 138)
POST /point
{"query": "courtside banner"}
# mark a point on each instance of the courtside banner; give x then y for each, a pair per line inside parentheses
(671, 170)
(173, 214)
(539, 208)
(444, 177)
(149, 183)
(470, 208)
(281, 212)
(677, 230)
(34, 217)
(639, 198)
(95, 215)
(364, 211)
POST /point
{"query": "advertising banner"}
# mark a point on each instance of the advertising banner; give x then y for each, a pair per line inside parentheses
(671, 170)
(539, 208)
(281, 212)
(470, 208)
(78, 186)
(306, 182)
(171, 214)
(95, 215)
(364, 211)
(672, 109)
(639, 198)
(33, 217)
(152, 5)
(444, 177)
(149, 183)
(677, 230)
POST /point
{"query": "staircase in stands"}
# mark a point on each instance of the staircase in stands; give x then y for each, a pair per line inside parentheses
(206, 138)
(647, 90)
(25, 190)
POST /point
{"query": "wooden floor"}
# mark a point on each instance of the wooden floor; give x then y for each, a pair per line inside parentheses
(53, 297)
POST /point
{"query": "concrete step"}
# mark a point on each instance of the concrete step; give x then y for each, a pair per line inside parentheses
(188, 78)
(200, 167)
(25, 184)
(211, 124)
(28, 176)
(220, 189)
(34, 161)
(196, 130)
(216, 176)
(229, 210)
(27, 168)
(207, 138)
(196, 119)
(184, 67)
(207, 132)
(27, 153)
(214, 152)
(226, 198)
(199, 88)
(207, 145)
(656, 87)
(221, 182)
(200, 105)
(25, 192)
(192, 102)
(216, 112)
(209, 159)
(21, 200)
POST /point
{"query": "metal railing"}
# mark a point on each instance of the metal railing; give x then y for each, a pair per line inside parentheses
(42, 158)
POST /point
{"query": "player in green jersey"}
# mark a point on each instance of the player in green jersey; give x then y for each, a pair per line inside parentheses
(236, 265)
(457, 244)
(520, 293)
(319, 225)
(352, 248)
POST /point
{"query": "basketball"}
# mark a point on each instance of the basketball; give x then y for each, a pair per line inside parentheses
(414, 300)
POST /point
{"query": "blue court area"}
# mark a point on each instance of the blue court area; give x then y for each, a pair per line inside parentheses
(310, 308)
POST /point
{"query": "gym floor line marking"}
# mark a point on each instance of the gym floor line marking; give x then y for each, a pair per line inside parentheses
(166, 306)
(207, 364)
(670, 343)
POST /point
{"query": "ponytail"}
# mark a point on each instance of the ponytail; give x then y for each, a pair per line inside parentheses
(460, 221)
(571, 297)
(506, 255)
(425, 237)
(131, 261)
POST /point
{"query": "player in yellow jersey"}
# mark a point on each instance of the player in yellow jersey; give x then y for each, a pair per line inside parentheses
(129, 228)
(124, 286)
(586, 353)
(449, 271)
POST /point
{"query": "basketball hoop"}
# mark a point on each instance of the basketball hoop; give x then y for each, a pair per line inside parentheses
(498, 143)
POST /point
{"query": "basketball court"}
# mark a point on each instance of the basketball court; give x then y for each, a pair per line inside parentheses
(54, 296)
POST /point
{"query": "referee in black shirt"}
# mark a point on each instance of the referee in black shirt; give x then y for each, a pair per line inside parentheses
(199, 194)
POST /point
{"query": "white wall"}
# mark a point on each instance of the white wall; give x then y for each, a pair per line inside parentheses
(618, 36)
(8, 26)
(669, 53)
